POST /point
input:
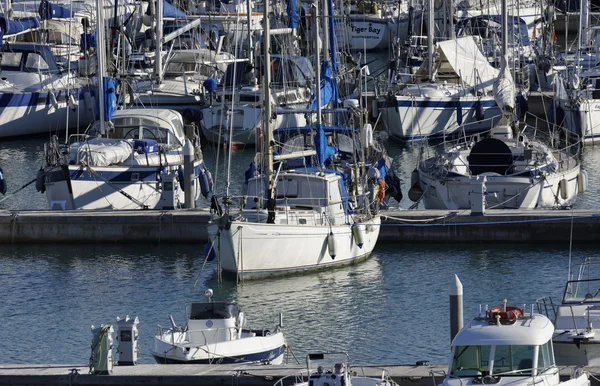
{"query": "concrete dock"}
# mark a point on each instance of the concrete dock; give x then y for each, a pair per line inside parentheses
(216, 375)
(398, 226)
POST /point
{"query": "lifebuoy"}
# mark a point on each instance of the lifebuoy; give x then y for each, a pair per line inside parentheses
(510, 314)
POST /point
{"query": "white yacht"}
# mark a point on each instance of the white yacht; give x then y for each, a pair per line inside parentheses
(138, 164)
(507, 345)
(576, 319)
(524, 171)
(215, 333)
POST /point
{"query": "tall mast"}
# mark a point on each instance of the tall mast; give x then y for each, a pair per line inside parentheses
(101, 47)
(430, 35)
(159, 41)
(267, 134)
(317, 63)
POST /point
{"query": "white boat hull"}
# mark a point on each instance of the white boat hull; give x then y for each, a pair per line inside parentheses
(583, 119)
(409, 118)
(87, 190)
(503, 192)
(359, 32)
(247, 120)
(258, 249)
(173, 349)
(568, 353)
(34, 113)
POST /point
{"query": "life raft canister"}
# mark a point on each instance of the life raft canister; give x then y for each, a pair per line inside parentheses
(507, 315)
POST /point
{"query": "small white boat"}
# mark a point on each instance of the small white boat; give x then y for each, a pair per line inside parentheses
(332, 369)
(577, 318)
(506, 345)
(216, 333)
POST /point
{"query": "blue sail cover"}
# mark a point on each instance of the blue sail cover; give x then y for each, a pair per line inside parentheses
(328, 88)
(49, 11)
(323, 150)
(110, 99)
(292, 14)
(14, 27)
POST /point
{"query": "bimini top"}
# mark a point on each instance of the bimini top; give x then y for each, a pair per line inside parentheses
(522, 331)
(151, 118)
(213, 310)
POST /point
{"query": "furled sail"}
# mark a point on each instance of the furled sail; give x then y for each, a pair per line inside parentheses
(504, 88)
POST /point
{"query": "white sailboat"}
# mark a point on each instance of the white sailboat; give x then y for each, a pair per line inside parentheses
(510, 168)
(294, 220)
(451, 90)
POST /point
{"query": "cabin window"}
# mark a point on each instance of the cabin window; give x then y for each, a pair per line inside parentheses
(470, 361)
(287, 189)
(35, 62)
(510, 358)
(546, 356)
(11, 61)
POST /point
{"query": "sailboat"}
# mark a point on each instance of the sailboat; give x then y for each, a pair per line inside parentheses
(130, 159)
(510, 167)
(293, 220)
(451, 91)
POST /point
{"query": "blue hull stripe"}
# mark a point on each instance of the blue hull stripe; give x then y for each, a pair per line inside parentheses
(28, 99)
(438, 104)
(250, 358)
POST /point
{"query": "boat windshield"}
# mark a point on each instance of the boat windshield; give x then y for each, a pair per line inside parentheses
(213, 310)
(577, 291)
(474, 361)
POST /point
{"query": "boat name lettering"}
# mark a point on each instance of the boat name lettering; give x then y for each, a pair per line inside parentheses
(369, 29)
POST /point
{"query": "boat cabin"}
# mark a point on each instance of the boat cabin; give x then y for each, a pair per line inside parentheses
(211, 322)
(503, 343)
(160, 125)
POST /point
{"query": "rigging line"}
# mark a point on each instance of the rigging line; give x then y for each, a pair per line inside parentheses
(18, 190)
(133, 199)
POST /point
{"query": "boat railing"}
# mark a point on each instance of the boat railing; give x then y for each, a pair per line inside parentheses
(219, 332)
(360, 371)
(546, 306)
(294, 379)
(555, 136)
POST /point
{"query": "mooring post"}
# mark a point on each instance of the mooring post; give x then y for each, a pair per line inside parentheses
(456, 307)
(188, 172)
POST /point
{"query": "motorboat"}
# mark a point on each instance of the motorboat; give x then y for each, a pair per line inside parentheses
(216, 332)
(137, 164)
(333, 369)
(576, 335)
(507, 344)
(524, 171)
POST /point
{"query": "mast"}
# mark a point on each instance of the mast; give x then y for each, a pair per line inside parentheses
(158, 41)
(504, 28)
(430, 34)
(317, 64)
(101, 47)
(267, 133)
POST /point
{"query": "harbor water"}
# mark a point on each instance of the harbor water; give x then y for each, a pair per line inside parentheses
(391, 309)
